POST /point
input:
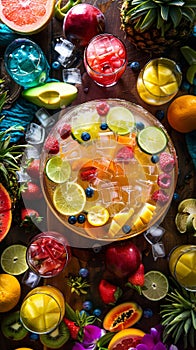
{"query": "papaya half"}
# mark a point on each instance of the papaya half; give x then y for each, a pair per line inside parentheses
(122, 316)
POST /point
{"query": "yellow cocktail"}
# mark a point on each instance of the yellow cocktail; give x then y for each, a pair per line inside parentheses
(182, 265)
(42, 309)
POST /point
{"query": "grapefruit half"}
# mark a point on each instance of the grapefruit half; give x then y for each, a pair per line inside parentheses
(126, 339)
(26, 16)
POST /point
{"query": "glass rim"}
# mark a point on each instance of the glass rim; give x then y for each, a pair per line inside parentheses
(105, 74)
(176, 71)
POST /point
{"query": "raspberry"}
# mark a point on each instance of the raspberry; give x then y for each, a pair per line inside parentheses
(51, 145)
(102, 108)
(160, 196)
(166, 161)
(65, 131)
(125, 153)
(164, 180)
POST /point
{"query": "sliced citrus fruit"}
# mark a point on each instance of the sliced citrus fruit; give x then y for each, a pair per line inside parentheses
(152, 140)
(69, 198)
(86, 127)
(170, 88)
(98, 215)
(126, 339)
(188, 205)
(155, 286)
(151, 75)
(58, 170)
(191, 223)
(181, 222)
(26, 17)
(165, 75)
(120, 120)
(13, 259)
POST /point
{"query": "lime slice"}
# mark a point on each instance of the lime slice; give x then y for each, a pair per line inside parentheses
(120, 120)
(152, 140)
(181, 222)
(86, 124)
(156, 285)
(13, 259)
(58, 170)
(69, 198)
(98, 215)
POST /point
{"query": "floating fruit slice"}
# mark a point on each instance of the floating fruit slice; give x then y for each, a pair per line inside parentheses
(86, 127)
(98, 215)
(120, 120)
(58, 170)
(13, 259)
(10, 292)
(155, 285)
(152, 140)
(126, 339)
(118, 221)
(5, 212)
(26, 17)
(69, 198)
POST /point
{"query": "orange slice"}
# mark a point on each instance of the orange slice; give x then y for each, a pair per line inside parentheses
(26, 17)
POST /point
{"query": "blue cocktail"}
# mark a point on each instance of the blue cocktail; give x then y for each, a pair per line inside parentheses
(26, 63)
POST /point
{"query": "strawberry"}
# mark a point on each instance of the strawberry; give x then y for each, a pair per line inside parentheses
(51, 145)
(33, 168)
(28, 216)
(136, 280)
(109, 292)
(31, 191)
(73, 328)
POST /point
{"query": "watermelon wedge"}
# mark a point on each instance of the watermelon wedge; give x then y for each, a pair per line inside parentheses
(5, 212)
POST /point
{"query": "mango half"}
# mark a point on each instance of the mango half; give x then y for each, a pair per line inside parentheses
(52, 95)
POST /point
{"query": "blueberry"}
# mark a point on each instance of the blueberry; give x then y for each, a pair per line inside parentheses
(87, 305)
(148, 313)
(72, 219)
(160, 114)
(140, 125)
(176, 196)
(56, 65)
(103, 126)
(83, 272)
(81, 218)
(154, 159)
(97, 312)
(135, 66)
(126, 229)
(85, 136)
(89, 192)
(34, 336)
(185, 86)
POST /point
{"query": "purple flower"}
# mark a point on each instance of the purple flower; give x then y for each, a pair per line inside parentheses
(91, 334)
(153, 341)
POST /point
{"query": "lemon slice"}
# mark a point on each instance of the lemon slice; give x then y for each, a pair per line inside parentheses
(120, 120)
(152, 140)
(58, 170)
(155, 286)
(69, 198)
(13, 259)
(98, 215)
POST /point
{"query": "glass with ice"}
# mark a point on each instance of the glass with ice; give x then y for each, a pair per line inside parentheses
(48, 254)
(26, 63)
(105, 59)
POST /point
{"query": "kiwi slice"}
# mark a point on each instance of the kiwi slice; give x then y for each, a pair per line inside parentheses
(12, 327)
(58, 337)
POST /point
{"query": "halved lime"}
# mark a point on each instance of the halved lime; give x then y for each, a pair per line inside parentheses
(152, 140)
(187, 205)
(120, 120)
(13, 259)
(58, 170)
(69, 198)
(155, 286)
(181, 222)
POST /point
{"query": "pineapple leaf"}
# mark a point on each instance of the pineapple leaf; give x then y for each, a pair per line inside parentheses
(189, 14)
(4, 172)
(187, 325)
(176, 15)
(164, 12)
(193, 317)
(147, 21)
(178, 332)
(191, 337)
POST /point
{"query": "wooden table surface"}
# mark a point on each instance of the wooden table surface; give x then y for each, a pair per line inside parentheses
(186, 186)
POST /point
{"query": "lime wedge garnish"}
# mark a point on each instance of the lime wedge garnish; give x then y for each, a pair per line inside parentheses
(152, 140)
(13, 259)
(69, 198)
(120, 120)
(58, 170)
(155, 286)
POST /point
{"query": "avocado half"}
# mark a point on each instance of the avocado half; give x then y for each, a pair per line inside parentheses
(52, 95)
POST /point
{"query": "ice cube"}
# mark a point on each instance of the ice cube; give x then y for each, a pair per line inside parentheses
(72, 76)
(35, 134)
(158, 250)
(154, 234)
(31, 279)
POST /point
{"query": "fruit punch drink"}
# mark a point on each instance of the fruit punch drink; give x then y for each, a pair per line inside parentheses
(182, 265)
(159, 81)
(48, 253)
(42, 309)
(26, 63)
(105, 59)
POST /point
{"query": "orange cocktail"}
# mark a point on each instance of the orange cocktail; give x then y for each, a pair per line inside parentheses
(182, 264)
(42, 309)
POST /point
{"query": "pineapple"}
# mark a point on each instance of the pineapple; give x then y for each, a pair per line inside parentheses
(179, 317)
(157, 25)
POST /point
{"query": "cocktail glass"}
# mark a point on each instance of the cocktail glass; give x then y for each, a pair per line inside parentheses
(42, 309)
(26, 63)
(105, 59)
(182, 265)
(48, 253)
(159, 81)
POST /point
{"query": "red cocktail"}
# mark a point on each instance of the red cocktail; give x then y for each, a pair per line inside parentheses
(48, 253)
(105, 59)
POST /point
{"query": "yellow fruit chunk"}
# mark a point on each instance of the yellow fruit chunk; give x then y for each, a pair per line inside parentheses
(138, 224)
(154, 89)
(170, 88)
(118, 221)
(165, 75)
(10, 292)
(151, 75)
